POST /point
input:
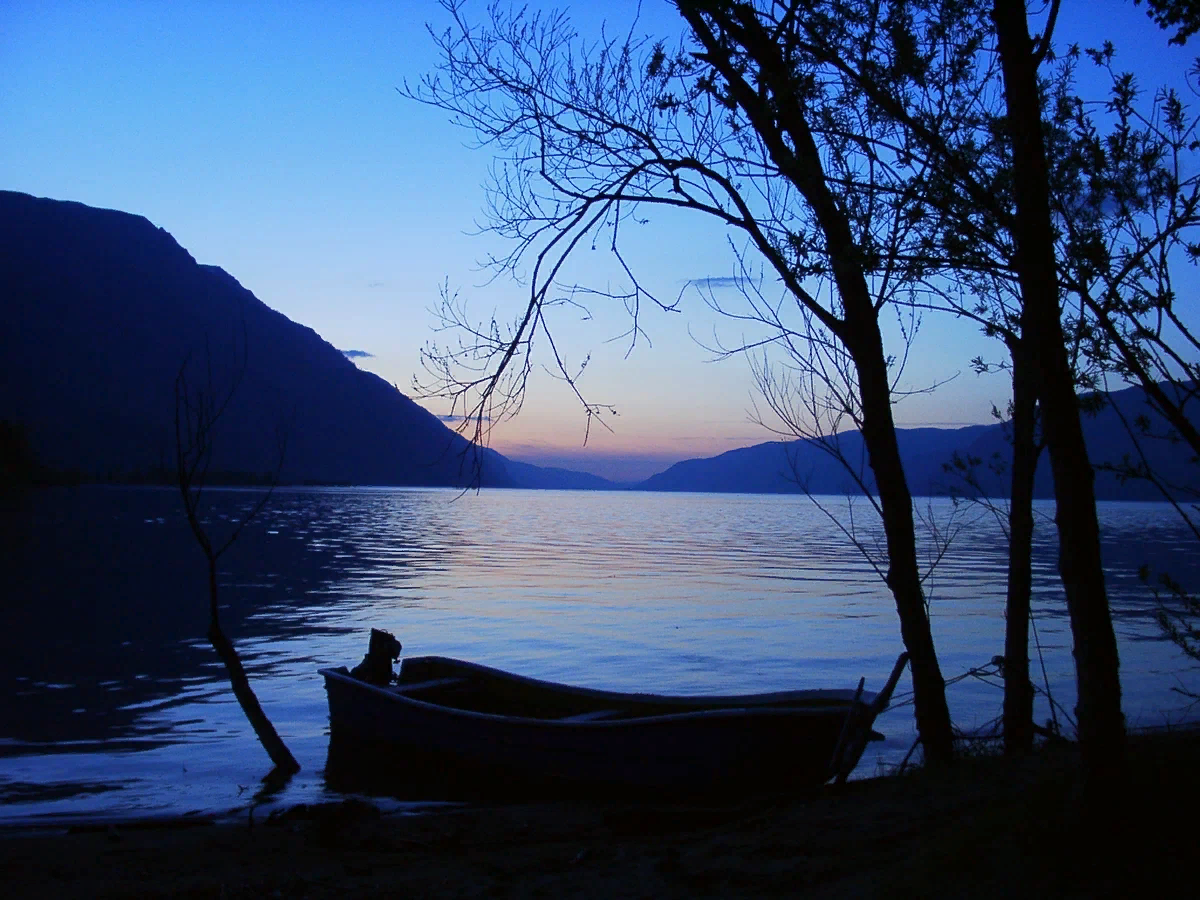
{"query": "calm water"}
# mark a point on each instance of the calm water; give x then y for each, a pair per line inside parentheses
(112, 702)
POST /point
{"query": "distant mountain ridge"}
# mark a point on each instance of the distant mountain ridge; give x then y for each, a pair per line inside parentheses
(100, 309)
(789, 467)
(553, 478)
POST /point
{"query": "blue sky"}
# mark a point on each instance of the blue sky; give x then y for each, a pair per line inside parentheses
(269, 139)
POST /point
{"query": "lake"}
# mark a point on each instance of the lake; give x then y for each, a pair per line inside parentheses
(112, 703)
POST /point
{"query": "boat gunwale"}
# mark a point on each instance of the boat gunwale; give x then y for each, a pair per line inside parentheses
(768, 705)
(832, 694)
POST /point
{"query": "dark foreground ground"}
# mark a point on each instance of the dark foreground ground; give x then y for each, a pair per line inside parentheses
(986, 829)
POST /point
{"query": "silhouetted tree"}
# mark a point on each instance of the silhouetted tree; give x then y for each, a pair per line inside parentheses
(1183, 15)
(1122, 200)
(995, 197)
(733, 126)
(1130, 213)
(1016, 519)
(199, 407)
(865, 144)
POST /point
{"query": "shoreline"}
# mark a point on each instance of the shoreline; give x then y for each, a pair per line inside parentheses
(988, 827)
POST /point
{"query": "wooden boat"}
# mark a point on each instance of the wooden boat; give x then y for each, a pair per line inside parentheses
(442, 717)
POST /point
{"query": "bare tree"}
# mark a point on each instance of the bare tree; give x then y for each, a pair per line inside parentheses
(733, 126)
(199, 408)
(795, 123)
(802, 395)
(807, 380)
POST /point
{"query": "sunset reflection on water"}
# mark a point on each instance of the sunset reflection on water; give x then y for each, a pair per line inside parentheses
(113, 702)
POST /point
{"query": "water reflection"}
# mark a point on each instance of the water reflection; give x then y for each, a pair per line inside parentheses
(107, 681)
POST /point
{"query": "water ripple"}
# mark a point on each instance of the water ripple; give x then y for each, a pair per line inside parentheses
(680, 592)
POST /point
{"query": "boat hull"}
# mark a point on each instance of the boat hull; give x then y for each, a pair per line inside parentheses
(667, 745)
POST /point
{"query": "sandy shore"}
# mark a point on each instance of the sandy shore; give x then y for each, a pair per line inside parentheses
(986, 829)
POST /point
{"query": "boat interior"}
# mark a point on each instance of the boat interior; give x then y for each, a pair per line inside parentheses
(468, 686)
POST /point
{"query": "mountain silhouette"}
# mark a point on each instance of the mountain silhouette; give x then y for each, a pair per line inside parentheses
(788, 467)
(100, 311)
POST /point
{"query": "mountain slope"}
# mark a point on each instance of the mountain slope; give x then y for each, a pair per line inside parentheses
(528, 475)
(791, 467)
(101, 308)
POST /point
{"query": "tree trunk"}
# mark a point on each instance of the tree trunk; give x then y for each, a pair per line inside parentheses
(281, 756)
(1101, 724)
(778, 115)
(903, 575)
(1018, 689)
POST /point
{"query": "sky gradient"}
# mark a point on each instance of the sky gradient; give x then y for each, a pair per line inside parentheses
(269, 139)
